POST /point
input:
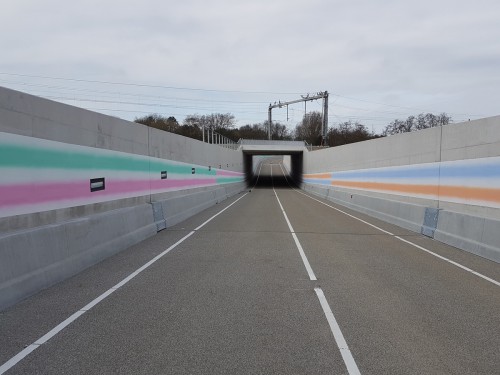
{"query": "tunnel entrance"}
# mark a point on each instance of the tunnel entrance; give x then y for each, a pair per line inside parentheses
(289, 174)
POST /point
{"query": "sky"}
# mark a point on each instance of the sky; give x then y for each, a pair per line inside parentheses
(379, 60)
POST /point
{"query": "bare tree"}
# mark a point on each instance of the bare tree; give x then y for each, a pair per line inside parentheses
(348, 132)
(216, 121)
(168, 124)
(309, 129)
(412, 123)
(255, 131)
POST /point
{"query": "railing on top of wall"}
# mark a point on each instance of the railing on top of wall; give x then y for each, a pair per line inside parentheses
(218, 139)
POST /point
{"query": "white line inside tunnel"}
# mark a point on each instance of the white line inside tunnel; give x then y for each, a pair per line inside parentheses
(54, 331)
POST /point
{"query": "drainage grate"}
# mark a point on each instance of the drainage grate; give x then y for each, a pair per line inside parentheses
(158, 216)
(430, 222)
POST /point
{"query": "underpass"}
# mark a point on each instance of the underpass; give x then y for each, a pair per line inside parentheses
(272, 280)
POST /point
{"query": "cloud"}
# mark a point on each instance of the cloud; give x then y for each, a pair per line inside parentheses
(408, 53)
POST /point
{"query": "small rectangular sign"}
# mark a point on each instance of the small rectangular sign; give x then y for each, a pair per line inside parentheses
(97, 184)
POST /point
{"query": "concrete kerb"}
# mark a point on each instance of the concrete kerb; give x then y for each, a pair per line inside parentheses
(476, 235)
(37, 258)
(405, 215)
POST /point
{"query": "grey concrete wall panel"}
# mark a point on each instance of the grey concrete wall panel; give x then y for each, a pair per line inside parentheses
(477, 235)
(470, 227)
(396, 150)
(181, 207)
(236, 188)
(33, 220)
(179, 148)
(37, 258)
(39, 249)
(46, 119)
(471, 140)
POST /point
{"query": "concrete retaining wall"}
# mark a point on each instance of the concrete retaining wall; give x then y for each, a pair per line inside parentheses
(443, 182)
(52, 225)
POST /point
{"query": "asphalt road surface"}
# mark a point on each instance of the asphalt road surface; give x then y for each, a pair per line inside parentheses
(278, 282)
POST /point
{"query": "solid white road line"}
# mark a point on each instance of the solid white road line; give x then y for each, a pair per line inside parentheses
(450, 261)
(19, 356)
(348, 214)
(54, 331)
(495, 282)
(349, 361)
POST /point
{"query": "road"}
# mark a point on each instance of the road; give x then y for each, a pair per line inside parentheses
(271, 281)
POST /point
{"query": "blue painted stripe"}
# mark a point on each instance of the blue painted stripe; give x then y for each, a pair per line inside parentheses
(489, 170)
(456, 170)
(431, 171)
(317, 181)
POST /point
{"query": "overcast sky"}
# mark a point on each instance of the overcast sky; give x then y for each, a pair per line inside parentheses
(380, 60)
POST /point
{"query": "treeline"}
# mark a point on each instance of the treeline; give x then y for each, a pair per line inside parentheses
(419, 122)
(221, 123)
(309, 129)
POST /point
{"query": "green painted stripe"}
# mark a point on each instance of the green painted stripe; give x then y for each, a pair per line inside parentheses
(14, 156)
(227, 180)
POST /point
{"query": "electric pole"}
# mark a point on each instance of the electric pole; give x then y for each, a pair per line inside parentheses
(305, 99)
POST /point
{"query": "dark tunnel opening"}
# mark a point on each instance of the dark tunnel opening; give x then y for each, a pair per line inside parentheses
(271, 164)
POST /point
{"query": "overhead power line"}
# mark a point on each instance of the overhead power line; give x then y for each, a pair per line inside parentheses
(129, 95)
(146, 85)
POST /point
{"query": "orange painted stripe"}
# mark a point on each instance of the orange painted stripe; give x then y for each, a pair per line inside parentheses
(460, 192)
(318, 175)
(471, 193)
(400, 188)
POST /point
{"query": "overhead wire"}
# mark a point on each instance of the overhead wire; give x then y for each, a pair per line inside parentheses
(78, 94)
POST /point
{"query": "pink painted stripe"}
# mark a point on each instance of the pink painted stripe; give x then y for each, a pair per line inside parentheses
(228, 173)
(25, 194)
(162, 184)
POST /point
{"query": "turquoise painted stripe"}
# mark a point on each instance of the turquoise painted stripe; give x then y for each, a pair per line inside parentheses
(14, 156)
(228, 180)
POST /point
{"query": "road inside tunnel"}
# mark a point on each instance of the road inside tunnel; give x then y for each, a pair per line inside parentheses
(290, 177)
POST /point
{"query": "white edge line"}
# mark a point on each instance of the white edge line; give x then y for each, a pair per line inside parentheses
(349, 361)
(335, 208)
(348, 214)
(98, 299)
(54, 331)
(493, 281)
(18, 357)
(450, 261)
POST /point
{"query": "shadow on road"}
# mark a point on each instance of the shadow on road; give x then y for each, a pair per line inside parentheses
(267, 182)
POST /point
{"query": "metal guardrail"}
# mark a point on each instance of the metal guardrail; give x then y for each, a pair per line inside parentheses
(218, 139)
